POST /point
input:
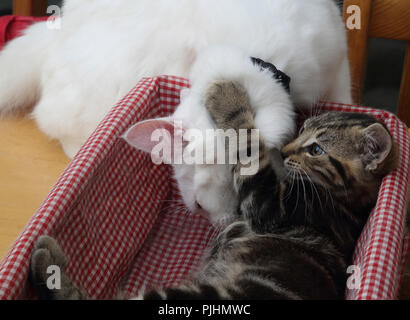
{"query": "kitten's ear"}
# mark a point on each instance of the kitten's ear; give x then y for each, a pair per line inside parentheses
(376, 145)
(148, 134)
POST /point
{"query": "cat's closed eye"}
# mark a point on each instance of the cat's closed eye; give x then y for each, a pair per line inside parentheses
(197, 205)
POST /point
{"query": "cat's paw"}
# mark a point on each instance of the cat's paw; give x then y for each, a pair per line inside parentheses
(228, 102)
(46, 253)
(47, 250)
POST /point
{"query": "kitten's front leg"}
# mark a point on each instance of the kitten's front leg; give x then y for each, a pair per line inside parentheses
(48, 253)
(229, 107)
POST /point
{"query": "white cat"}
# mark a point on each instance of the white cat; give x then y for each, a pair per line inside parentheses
(75, 74)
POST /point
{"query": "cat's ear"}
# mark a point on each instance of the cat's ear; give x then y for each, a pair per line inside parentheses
(156, 135)
(376, 145)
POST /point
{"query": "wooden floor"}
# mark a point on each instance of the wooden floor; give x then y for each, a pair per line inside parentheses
(29, 166)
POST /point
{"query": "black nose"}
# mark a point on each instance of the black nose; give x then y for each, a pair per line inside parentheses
(283, 155)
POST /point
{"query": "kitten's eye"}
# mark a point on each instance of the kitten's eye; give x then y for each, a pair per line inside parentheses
(316, 150)
(302, 128)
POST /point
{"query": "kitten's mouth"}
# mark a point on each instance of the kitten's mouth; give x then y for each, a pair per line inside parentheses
(290, 170)
(293, 173)
(301, 175)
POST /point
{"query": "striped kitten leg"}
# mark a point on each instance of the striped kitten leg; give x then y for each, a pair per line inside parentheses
(215, 280)
(47, 253)
(201, 291)
(259, 194)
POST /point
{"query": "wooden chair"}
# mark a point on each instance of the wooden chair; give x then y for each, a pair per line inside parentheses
(389, 19)
(30, 7)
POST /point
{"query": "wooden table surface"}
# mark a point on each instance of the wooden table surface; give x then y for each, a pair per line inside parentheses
(29, 167)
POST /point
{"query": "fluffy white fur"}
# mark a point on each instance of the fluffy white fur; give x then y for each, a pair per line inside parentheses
(76, 74)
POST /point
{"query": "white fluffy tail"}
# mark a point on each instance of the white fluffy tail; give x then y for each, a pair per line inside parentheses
(21, 63)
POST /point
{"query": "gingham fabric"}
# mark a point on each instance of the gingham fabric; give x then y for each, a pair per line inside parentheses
(120, 219)
(12, 26)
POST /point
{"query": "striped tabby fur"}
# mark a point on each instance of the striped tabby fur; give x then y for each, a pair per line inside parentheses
(296, 224)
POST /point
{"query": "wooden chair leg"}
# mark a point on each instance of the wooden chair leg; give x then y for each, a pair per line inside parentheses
(403, 110)
(358, 43)
(30, 7)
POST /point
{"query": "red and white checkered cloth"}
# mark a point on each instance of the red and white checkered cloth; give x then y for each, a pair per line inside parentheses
(120, 220)
(12, 26)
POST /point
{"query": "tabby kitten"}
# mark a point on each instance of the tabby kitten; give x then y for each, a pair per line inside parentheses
(293, 237)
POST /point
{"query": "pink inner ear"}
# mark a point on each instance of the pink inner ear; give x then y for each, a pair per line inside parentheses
(139, 135)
